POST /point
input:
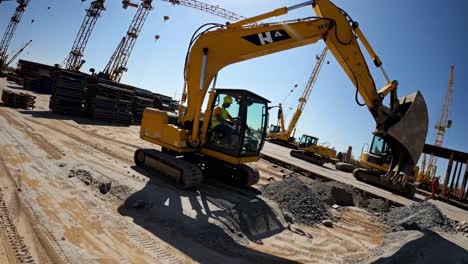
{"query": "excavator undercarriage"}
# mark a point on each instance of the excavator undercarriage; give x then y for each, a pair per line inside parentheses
(189, 171)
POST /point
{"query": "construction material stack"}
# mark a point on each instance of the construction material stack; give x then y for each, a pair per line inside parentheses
(143, 99)
(110, 101)
(68, 92)
(165, 103)
(21, 100)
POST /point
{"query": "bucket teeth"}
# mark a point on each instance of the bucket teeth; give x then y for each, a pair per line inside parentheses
(406, 138)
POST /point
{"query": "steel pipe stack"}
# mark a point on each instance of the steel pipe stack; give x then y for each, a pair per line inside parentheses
(143, 99)
(110, 101)
(68, 92)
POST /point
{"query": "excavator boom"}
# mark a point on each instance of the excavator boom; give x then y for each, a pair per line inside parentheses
(403, 124)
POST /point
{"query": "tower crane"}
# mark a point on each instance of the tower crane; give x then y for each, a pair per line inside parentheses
(281, 135)
(11, 28)
(117, 65)
(212, 9)
(75, 61)
(443, 124)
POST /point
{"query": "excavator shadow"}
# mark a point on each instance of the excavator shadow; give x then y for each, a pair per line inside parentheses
(429, 247)
(208, 223)
(79, 119)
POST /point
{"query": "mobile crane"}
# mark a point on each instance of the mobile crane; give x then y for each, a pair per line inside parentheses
(190, 142)
(281, 135)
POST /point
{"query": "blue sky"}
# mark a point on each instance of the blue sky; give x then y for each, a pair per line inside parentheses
(416, 40)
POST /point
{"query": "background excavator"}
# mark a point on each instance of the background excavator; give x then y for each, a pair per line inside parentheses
(278, 133)
(375, 162)
(189, 143)
(377, 159)
(311, 151)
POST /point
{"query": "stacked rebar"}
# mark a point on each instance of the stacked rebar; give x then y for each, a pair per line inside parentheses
(21, 100)
(68, 92)
(110, 101)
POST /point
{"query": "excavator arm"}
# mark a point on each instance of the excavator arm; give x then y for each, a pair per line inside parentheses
(403, 124)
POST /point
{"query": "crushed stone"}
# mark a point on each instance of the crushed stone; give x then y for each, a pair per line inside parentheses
(298, 199)
(308, 201)
(417, 216)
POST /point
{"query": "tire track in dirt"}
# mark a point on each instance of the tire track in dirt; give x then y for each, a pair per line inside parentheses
(21, 252)
(159, 251)
(51, 150)
(48, 245)
(81, 140)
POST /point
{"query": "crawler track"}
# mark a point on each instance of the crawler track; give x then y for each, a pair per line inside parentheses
(9, 231)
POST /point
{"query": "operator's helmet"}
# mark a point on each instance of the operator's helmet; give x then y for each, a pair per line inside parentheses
(227, 99)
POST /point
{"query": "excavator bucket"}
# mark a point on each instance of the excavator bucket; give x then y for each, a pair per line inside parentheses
(406, 138)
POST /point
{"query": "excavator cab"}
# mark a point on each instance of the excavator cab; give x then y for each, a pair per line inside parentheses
(307, 141)
(243, 133)
(379, 153)
(274, 129)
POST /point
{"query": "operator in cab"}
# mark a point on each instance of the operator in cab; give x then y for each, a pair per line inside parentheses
(221, 117)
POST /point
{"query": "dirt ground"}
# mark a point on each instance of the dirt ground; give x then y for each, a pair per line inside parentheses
(55, 172)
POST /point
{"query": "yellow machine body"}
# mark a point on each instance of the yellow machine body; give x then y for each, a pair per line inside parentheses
(213, 50)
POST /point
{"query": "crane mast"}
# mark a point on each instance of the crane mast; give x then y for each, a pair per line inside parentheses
(11, 28)
(443, 124)
(307, 90)
(17, 53)
(74, 61)
(117, 65)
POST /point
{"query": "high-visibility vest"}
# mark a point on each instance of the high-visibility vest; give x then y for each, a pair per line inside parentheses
(224, 114)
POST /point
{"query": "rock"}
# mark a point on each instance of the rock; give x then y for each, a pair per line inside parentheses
(346, 167)
(105, 187)
(335, 206)
(275, 166)
(21, 253)
(463, 223)
(62, 165)
(377, 214)
(288, 217)
(63, 238)
(327, 223)
(271, 179)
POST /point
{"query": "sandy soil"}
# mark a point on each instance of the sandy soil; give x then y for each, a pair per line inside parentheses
(49, 217)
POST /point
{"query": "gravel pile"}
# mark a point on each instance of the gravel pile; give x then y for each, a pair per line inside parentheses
(298, 199)
(417, 216)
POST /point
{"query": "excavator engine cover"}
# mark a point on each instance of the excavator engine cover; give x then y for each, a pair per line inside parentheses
(406, 138)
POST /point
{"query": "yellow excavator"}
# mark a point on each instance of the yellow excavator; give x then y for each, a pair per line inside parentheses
(192, 143)
(311, 151)
(281, 135)
(375, 162)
